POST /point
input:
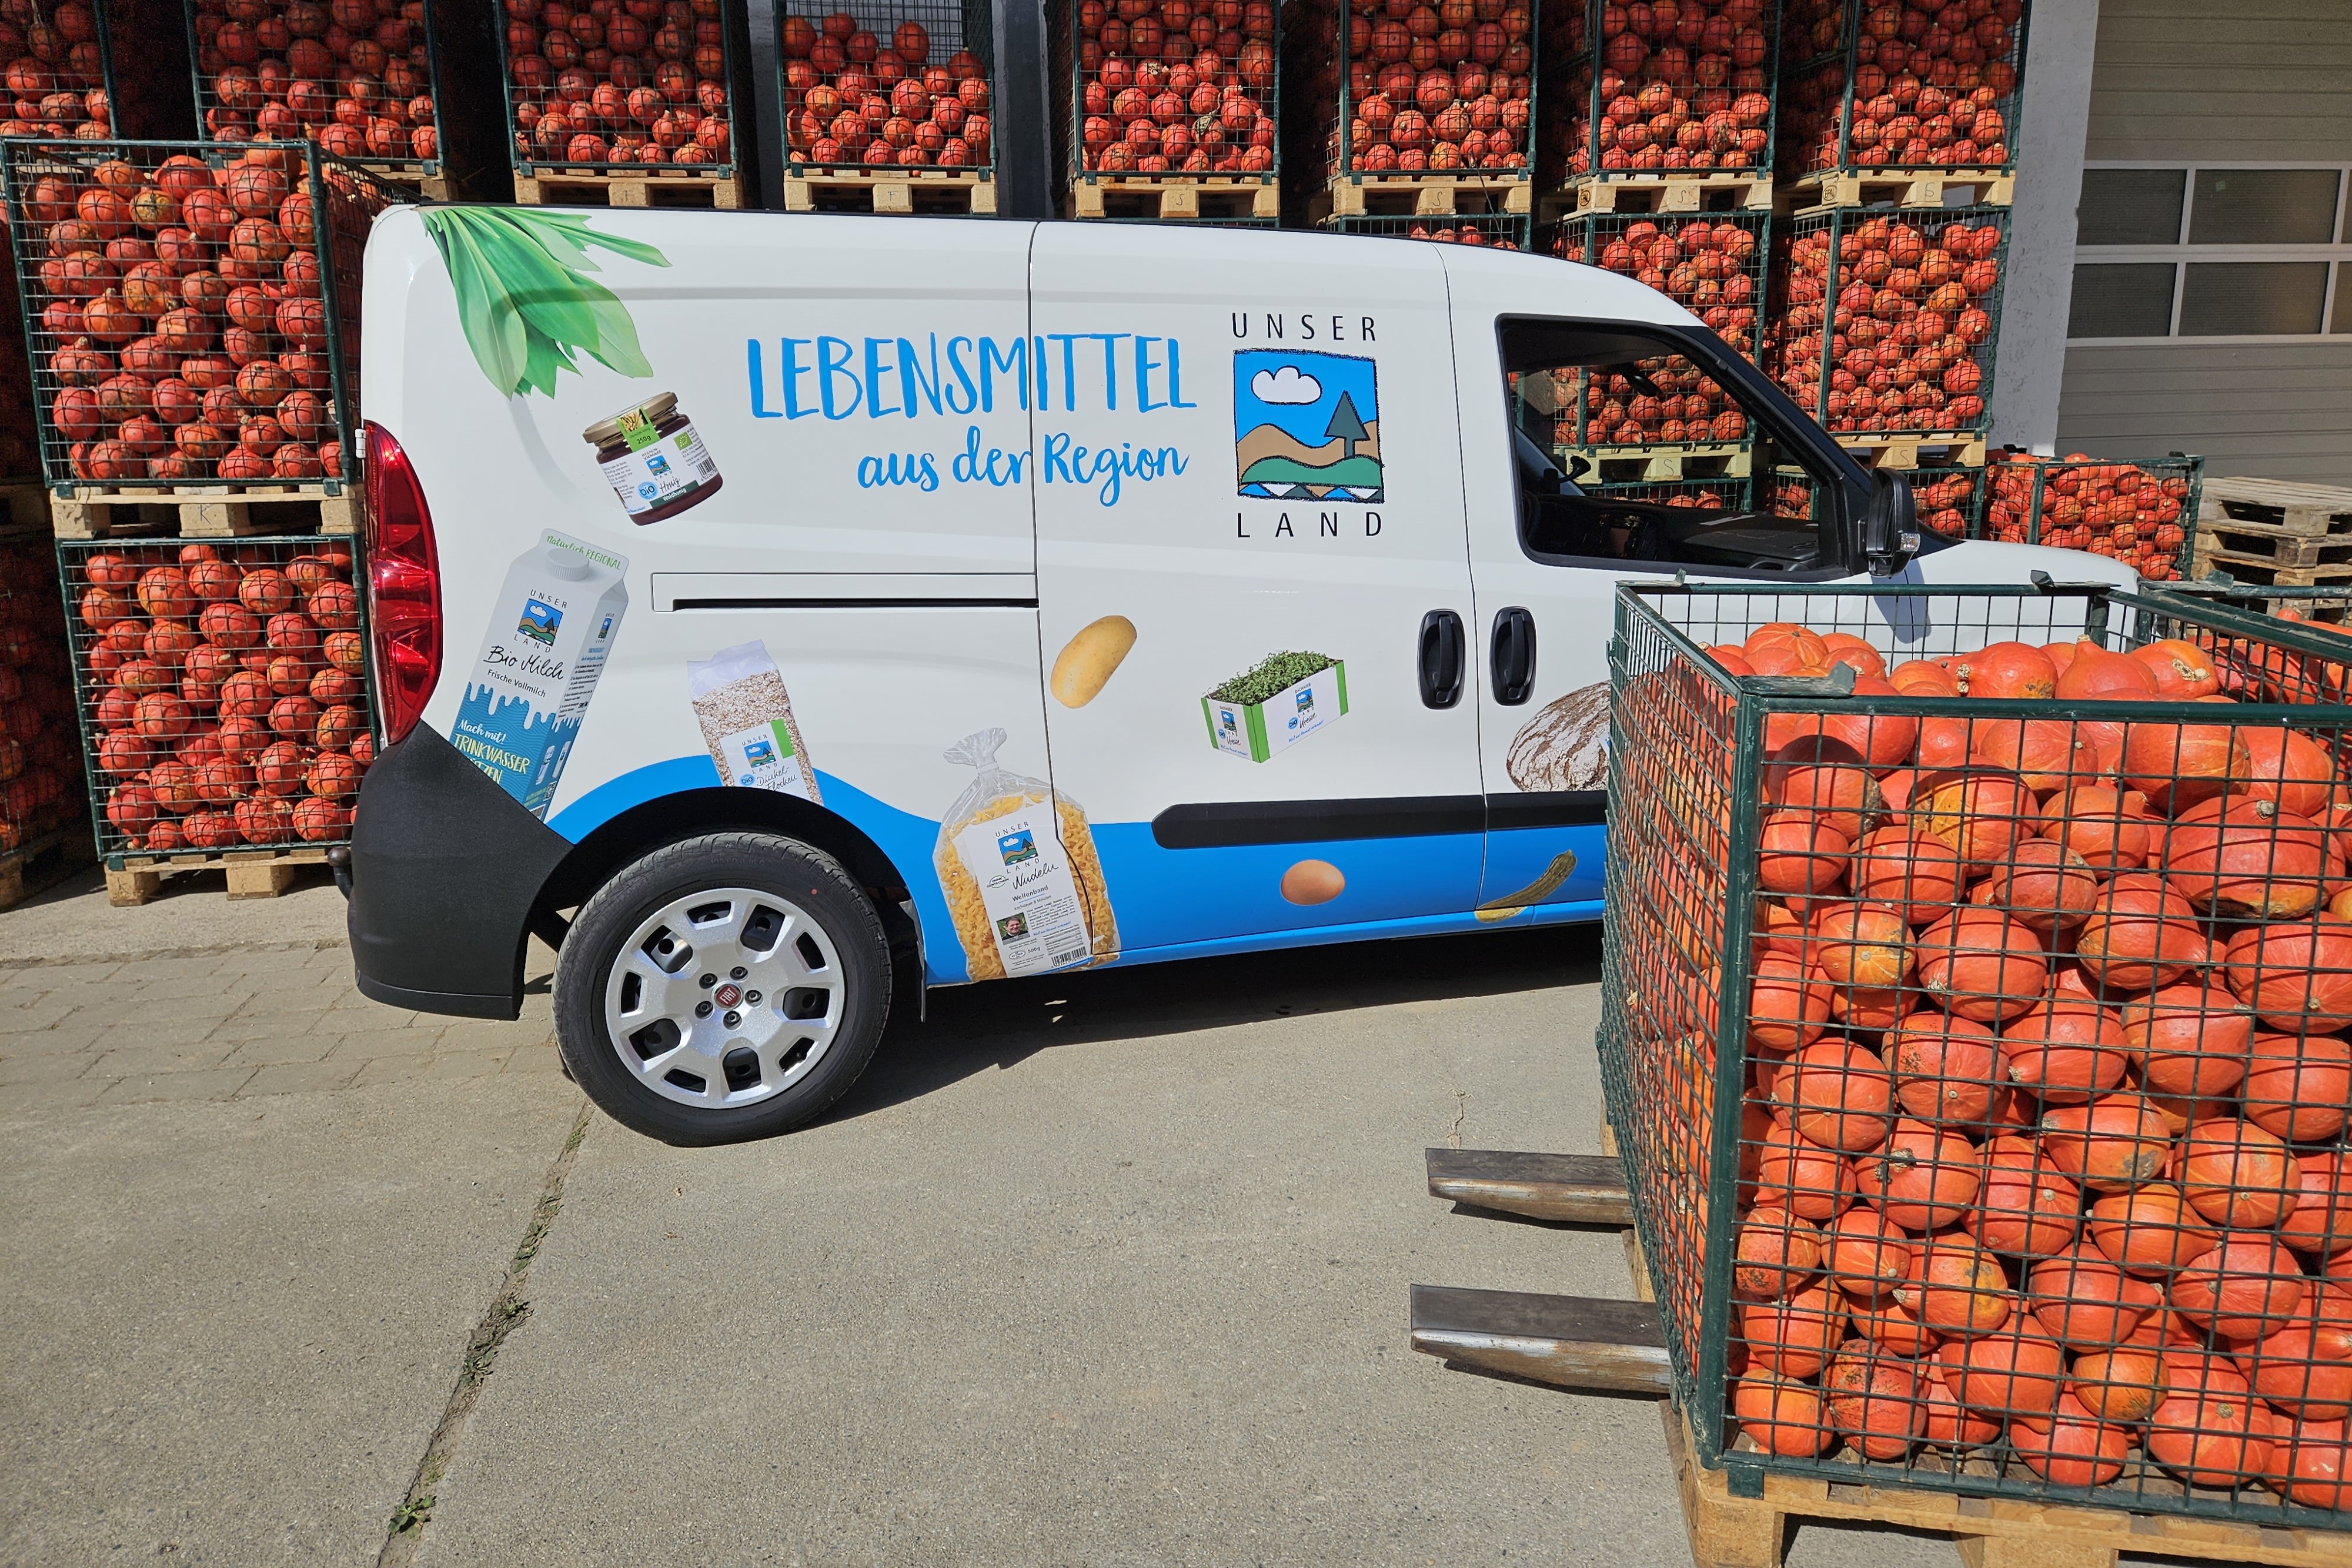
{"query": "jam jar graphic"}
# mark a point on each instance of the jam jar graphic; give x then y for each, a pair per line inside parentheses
(654, 459)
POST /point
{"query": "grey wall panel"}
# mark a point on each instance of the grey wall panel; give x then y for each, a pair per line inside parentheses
(2038, 289)
(2244, 80)
(2281, 411)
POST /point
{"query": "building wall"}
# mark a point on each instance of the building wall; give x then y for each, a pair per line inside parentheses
(2243, 81)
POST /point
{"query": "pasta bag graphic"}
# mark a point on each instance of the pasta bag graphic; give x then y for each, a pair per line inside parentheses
(1017, 865)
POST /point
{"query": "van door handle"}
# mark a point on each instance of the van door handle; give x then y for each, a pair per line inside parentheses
(1441, 648)
(1514, 655)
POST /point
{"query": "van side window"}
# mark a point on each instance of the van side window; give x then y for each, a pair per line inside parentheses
(1713, 488)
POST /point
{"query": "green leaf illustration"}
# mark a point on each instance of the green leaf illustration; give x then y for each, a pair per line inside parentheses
(523, 296)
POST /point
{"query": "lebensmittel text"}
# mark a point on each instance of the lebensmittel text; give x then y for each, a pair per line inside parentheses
(550, 627)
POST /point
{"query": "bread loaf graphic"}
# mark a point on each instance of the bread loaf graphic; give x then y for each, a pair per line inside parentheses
(1566, 745)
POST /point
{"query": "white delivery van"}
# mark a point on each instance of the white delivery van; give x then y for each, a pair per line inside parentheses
(818, 607)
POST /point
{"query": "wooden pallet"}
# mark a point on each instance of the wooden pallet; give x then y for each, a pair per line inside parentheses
(1666, 464)
(549, 185)
(251, 874)
(1175, 198)
(2266, 571)
(1567, 1341)
(1710, 189)
(2230, 541)
(205, 511)
(952, 191)
(1489, 191)
(427, 181)
(47, 860)
(1959, 449)
(2275, 507)
(1898, 187)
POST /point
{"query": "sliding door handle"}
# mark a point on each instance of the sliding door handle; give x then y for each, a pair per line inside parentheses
(1443, 647)
(1514, 656)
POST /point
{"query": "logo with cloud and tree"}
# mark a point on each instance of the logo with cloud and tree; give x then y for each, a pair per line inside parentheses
(1307, 426)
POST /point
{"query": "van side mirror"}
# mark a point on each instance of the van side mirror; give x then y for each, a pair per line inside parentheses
(1890, 524)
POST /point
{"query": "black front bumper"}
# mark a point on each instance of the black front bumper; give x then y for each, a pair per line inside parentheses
(445, 868)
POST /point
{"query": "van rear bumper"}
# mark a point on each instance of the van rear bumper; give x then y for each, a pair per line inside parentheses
(446, 867)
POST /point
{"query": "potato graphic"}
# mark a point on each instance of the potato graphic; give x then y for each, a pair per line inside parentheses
(1088, 659)
(1312, 882)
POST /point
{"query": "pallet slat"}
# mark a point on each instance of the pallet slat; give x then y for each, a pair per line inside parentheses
(956, 191)
(1429, 196)
(660, 187)
(251, 874)
(1900, 187)
(1666, 193)
(205, 512)
(1176, 199)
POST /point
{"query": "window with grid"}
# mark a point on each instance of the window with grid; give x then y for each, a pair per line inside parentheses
(2212, 251)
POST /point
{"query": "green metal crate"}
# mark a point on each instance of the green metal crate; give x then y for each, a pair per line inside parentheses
(954, 28)
(43, 180)
(1820, 303)
(1580, 139)
(1728, 296)
(1080, 35)
(1831, 55)
(1333, 53)
(2040, 500)
(1722, 793)
(387, 139)
(535, 83)
(1498, 231)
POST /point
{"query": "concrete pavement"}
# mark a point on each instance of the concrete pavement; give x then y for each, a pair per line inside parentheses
(1104, 1268)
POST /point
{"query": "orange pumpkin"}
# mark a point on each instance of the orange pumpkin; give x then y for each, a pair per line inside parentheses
(1788, 1005)
(1923, 1178)
(1781, 1417)
(2121, 1384)
(1861, 944)
(2142, 935)
(1868, 1011)
(1793, 1337)
(2320, 1221)
(2084, 1301)
(2290, 769)
(2299, 1088)
(2006, 670)
(1980, 811)
(2113, 1144)
(2296, 975)
(1945, 1067)
(2095, 674)
(2178, 764)
(1841, 1097)
(2065, 1051)
(2015, 1371)
(1866, 1254)
(1873, 1401)
(2205, 1429)
(2150, 1230)
(2246, 1287)
(1957, 1287)
(1824, 780)
(2111, 828)
(1983, 965)
(2070, 1446)
(2244, 859)
(2043, 883)
(2304, 1368)
(1943, 747)
(1882, 740)
(2188, 1040)
(1777, 1253)
(2237, 1174)
(1887, 1324)
(2311, 1463)
(1915, 873)
(2046, 753)
(1799, 856)
(1950, 1424)
(1924, 678)
(2182, 669)
(1802, 1177)
(2026, 1209)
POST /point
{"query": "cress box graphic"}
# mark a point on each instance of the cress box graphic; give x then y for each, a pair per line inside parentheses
(1252, 717)
(1307, 427)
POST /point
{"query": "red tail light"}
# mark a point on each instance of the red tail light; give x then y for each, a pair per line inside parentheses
(404, 585)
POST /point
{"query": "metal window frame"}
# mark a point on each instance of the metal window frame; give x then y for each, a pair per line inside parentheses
(2336, 254)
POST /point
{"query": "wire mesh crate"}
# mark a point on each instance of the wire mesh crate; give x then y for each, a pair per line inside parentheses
(1167, 87)
(222, 689)
(609, 95)
(2142, 513)
(1659, 90)
(899, 84)
(1497, 231)
(20, 445)
(1885, 323)
(1975, 989)
(56, 62)
(358, 77)
(1949, 500)
(1712, 265)
(1883, 89)
(192, 309)
(1442, 94)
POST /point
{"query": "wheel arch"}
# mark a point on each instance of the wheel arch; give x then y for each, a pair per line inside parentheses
(689, 813)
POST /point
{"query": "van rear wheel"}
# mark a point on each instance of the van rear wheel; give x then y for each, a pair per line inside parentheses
(723, 987)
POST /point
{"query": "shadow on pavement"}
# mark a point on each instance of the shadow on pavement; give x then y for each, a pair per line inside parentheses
(972, 1028)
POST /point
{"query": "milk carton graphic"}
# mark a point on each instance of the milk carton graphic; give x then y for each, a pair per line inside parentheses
(549, 635)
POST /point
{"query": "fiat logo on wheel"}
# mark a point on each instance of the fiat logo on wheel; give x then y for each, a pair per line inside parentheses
(728, 995)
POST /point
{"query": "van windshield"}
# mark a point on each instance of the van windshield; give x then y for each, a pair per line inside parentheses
(1627, 450)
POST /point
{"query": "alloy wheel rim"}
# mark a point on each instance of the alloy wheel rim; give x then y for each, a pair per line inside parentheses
(724, 998)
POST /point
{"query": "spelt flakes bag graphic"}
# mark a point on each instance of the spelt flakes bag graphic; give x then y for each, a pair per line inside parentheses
(745, 716)
(1017, 865)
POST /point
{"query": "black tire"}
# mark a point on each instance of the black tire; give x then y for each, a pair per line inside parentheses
(796, 874)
